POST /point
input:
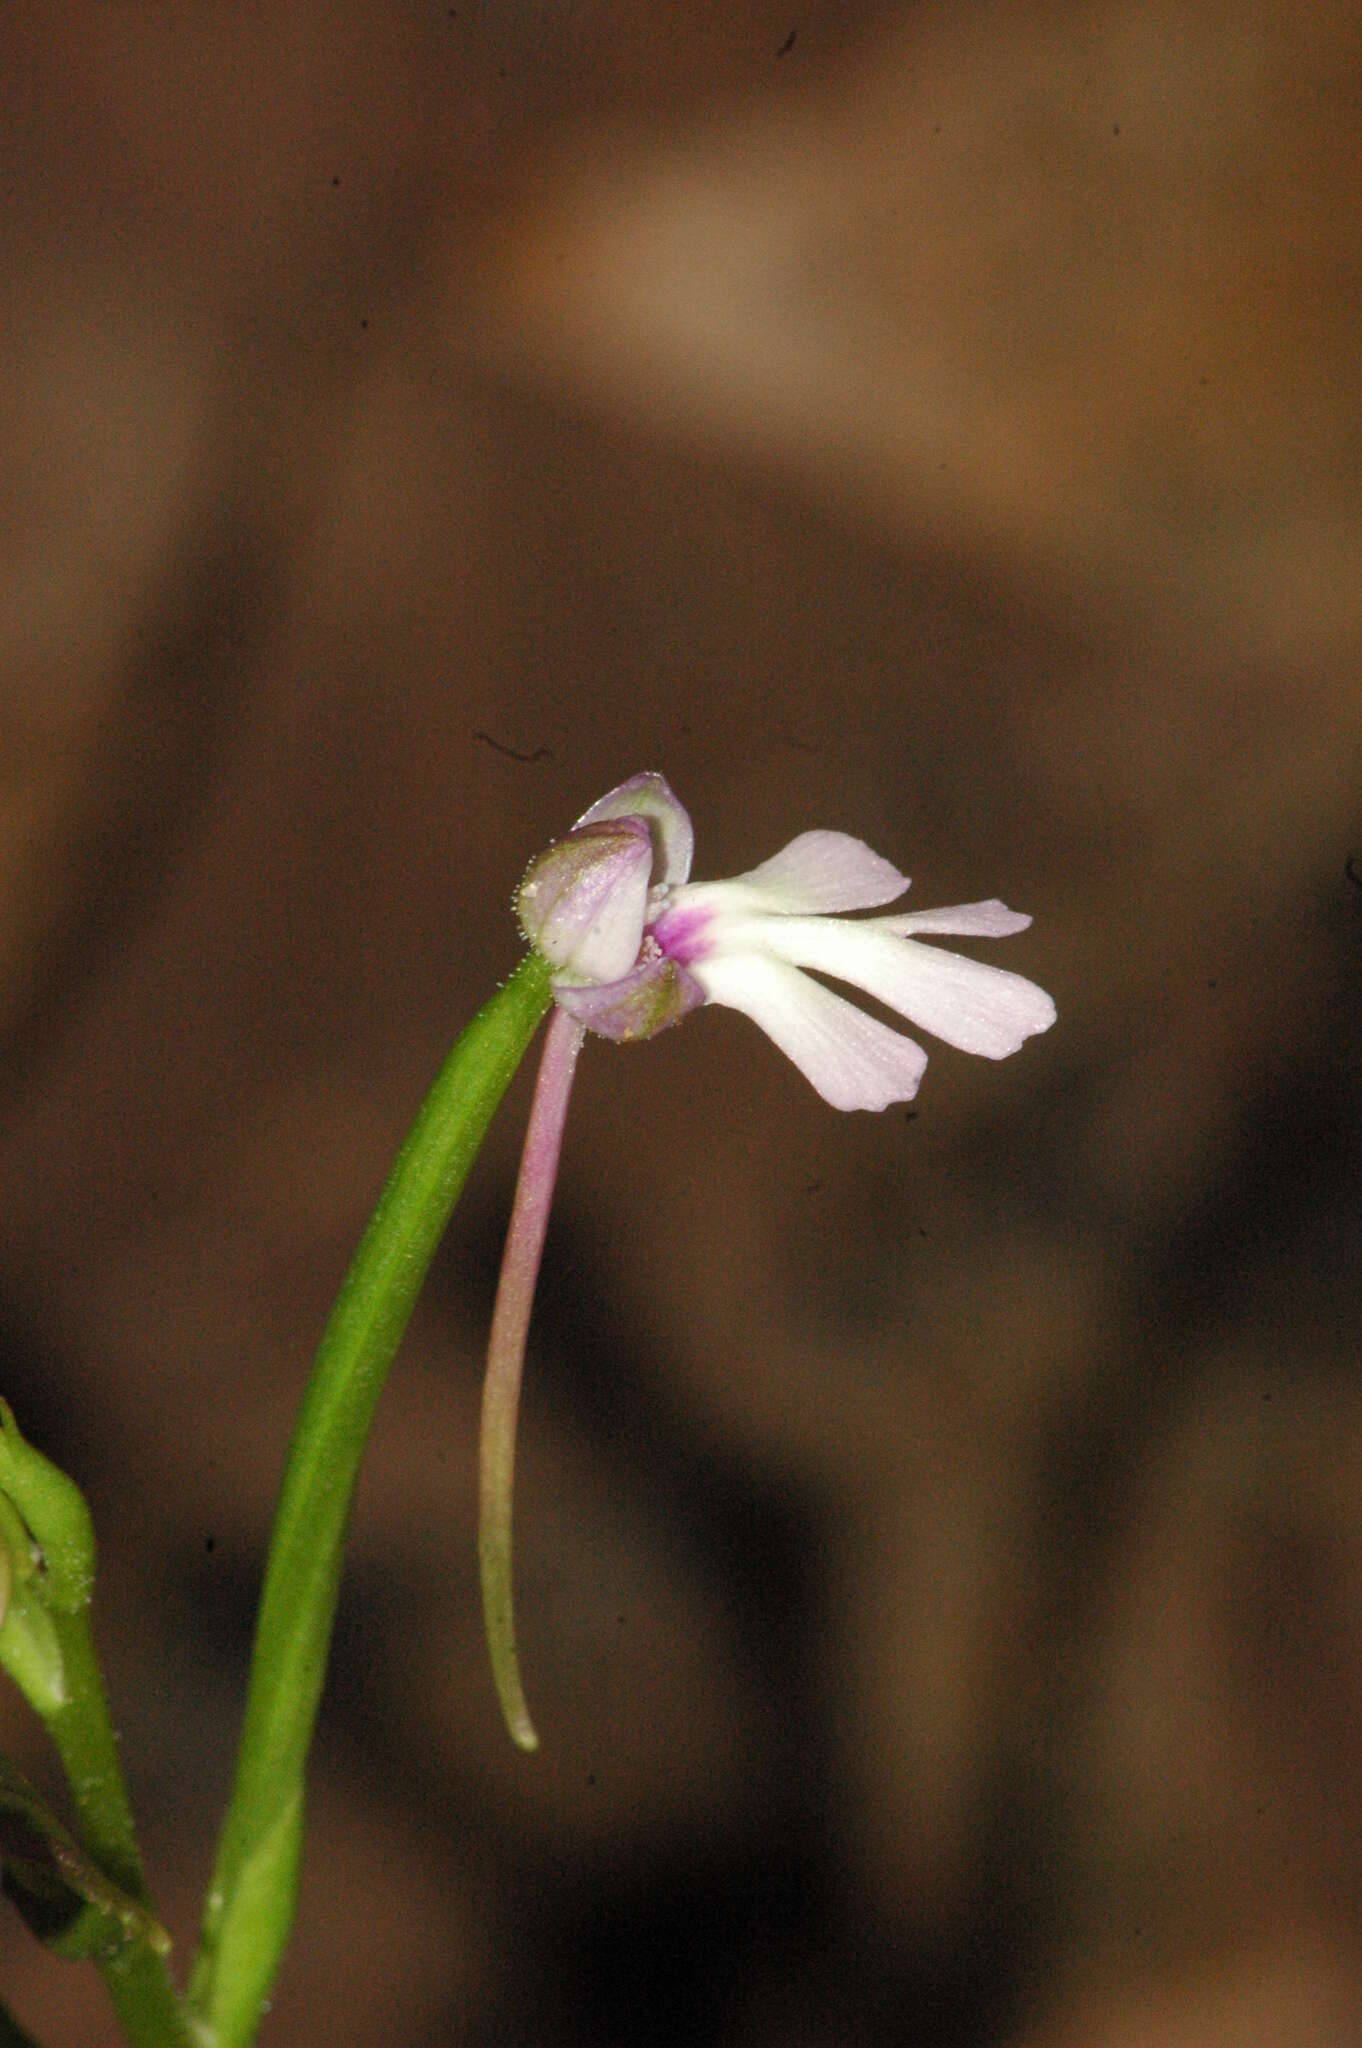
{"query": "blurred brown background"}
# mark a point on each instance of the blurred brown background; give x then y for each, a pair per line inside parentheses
(940, 1537)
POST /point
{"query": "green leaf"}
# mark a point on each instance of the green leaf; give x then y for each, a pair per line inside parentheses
(251, 1899)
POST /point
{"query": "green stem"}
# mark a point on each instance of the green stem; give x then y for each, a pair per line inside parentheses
(252, 1897)
(49, 1652)
(135, 1974)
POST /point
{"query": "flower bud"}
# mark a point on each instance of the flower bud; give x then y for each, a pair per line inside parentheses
(582, 903)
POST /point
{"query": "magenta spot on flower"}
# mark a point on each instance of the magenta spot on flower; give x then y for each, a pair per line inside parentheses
(681, 932)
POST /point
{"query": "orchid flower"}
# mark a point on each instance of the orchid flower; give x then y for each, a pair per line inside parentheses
(634, 946)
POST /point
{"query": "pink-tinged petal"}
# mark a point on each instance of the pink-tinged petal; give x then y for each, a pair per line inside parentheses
(657, 994)
(991, 920)
(583, 900)
(684, 925)
(978, 1008)
(854, 1061)
(650, 796)
(817, 873)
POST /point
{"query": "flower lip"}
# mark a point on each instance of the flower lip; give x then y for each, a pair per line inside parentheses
(969, 1004)
(853, 1060)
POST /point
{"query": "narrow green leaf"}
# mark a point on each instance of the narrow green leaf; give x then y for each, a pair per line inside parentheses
(251, 1900)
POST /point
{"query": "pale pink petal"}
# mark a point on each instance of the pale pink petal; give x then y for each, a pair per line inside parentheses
(818, 872)
(979, 1008)
(658, 992)
(991, 920)
(854, 1061)
(650, 796)
(582, 902)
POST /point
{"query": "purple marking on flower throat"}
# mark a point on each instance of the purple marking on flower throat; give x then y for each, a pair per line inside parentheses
(681, 932)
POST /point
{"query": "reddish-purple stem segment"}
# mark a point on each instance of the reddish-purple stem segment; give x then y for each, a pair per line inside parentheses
(506, 1359)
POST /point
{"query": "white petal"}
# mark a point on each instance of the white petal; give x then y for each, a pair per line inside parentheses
(854, 1061)
(978, 1008)
(819, 871)
(991, 920)
(650, 796)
